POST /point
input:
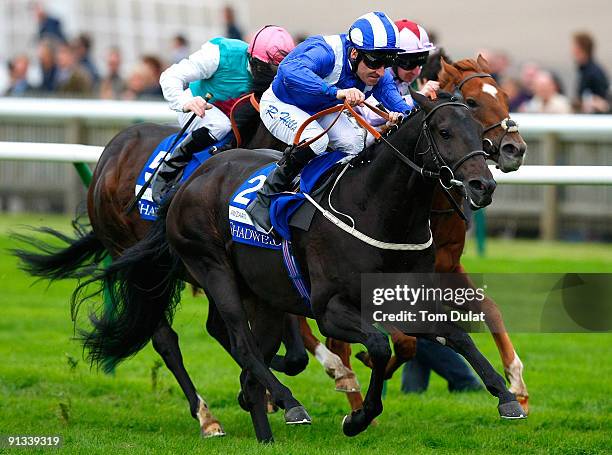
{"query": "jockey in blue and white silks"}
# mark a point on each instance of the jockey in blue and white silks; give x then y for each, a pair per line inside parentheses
(226, 69)
(319, 73)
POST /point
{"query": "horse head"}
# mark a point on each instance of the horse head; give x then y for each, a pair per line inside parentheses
(450, 145)
(489, 104)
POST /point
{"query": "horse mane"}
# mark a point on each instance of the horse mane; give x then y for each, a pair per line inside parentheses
(465, 65)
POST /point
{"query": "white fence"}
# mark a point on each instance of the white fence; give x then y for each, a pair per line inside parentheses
(563, 150)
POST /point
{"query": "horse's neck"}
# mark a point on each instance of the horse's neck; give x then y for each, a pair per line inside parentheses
(397, 200)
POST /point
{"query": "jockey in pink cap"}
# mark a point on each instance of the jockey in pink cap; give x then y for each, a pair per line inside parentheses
(224, 69)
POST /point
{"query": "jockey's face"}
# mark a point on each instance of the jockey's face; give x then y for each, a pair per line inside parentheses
(408, 75)
(368, 75)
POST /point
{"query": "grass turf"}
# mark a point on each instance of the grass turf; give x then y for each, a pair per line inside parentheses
(47, 388)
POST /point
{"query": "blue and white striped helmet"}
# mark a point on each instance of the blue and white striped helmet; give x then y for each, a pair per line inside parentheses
(374, 32)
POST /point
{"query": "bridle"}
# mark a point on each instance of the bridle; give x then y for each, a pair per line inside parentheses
(507, 124)
(443, 172)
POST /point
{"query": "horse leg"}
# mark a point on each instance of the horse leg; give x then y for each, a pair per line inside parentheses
(165, 342)
(342, 321)
(513, 367)
(220, 284)
(295, 359)
(332, 363)
(346, 380)
(456, 338)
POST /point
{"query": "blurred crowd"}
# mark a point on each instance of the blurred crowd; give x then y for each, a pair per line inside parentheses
(65, 68)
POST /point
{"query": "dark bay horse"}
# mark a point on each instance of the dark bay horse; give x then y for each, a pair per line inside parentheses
(489, 105)
(249, 287)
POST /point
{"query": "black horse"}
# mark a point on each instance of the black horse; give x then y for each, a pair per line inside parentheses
(251, 291)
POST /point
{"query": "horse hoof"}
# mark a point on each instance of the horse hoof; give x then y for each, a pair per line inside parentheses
(354, 423)
(524, 402)
(511, 410)
(347, 384)
(297, 416)
(213, 430)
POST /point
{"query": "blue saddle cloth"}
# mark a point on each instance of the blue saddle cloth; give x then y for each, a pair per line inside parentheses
(284, 205)
(146, 206)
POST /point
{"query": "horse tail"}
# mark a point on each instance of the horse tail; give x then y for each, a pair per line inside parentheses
(76, 257)
(141, 288)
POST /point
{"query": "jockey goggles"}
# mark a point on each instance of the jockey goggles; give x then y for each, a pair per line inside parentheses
(409, 62)
(375, 60)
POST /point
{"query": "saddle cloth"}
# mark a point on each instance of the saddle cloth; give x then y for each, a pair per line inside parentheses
(146, 206)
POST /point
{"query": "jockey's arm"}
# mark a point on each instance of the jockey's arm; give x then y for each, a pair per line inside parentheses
(202, 64)
(304, 73)
(387, 93)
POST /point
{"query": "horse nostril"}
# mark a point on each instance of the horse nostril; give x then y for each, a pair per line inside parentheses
(476, 185)
(514, 151)
(482, 185)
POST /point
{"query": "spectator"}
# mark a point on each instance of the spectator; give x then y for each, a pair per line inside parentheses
(498, 61)
(593, 82)
(48, 66)
(48, 27)
(155, 68)
(18, 70)
(431, 355)
(180, 48)
(71, 77)
(143, 82)
(112, 86)
(546, 98)
(517, 95)
(82, 49)
(231, 29)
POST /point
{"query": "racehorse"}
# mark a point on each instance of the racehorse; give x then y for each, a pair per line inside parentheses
(252, 292)
(506, 147)
(113, 230)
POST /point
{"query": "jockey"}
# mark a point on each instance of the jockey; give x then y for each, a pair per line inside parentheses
(319, 73)
(226, 69)
(414, 41)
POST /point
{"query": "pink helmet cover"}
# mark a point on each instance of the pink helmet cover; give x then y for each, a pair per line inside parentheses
(271, 44)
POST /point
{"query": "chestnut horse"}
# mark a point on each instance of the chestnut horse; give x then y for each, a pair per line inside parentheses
(506, 147)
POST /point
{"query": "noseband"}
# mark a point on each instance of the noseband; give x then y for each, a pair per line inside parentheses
(507, 124)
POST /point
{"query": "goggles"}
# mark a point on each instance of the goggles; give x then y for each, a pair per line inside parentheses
(409, 62)
(375, 60)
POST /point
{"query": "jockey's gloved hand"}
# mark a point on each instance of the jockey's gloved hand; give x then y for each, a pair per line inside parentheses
(429, 89)
(394, 118)
(197, 105)
(354, 96)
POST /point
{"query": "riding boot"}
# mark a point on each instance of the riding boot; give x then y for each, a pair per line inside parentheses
(170, 171)
(279, 180)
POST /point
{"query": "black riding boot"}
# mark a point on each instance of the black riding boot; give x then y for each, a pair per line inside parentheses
(279, 180)
(170, 171)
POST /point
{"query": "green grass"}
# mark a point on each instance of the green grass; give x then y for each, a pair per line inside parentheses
(41, 393)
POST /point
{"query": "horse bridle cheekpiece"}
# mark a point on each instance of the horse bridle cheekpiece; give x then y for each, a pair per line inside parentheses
(507, 124)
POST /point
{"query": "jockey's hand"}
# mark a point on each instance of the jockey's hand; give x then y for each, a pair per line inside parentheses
(198, 106)
(394, 118)
(354, 96)
(429, 89)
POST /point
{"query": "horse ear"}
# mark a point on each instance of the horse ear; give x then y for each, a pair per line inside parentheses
(483, 63)
(450, 70)
(422, 100)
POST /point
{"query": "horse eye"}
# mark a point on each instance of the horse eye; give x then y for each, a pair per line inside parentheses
(445, 134)
(472, 102)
